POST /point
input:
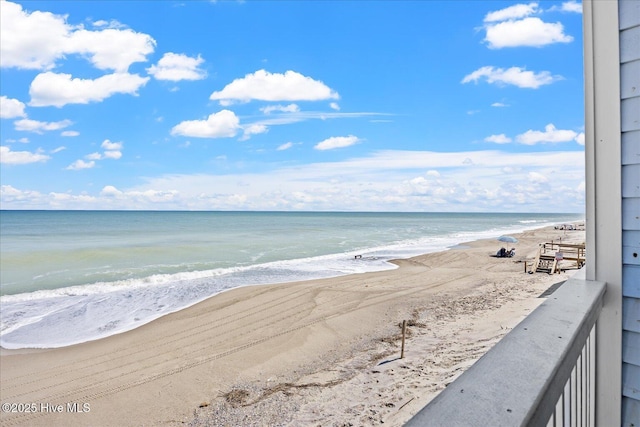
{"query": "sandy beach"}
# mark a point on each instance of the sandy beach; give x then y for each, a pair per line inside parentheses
(315, 353)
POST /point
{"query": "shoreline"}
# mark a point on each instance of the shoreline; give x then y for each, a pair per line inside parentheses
(287, 353)
(118, 322)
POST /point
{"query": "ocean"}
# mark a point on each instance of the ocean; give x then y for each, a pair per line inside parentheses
(68, 277)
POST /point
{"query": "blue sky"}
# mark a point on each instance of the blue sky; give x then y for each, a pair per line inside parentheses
(292, 105)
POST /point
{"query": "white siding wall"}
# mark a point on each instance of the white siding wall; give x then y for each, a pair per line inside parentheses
(629, 22)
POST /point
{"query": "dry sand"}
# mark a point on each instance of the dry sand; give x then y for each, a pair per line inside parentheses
(316, 353)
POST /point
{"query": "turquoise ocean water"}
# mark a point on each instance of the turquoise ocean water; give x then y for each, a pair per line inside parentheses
(73, 276)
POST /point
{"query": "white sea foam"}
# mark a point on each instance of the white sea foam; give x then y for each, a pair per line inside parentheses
(49, 318)
(66, 316)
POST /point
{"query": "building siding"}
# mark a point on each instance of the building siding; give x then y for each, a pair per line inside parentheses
(629, 24)
(631, 140)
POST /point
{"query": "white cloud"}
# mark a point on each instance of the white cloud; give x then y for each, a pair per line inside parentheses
(21, 140)
(11, 108)
(27, 199)
(265, 86)
(108, 145)
(10, 194)
(70, 133)
(112, 155)
(32, 41)
(38, 39)
(59, 149)
(111, 49)
(499, 104)
(437, 190)
(433, 173)
(300, 116)
(81, 164)
(112, 151)
(223, 124)
(498, 139)
(550, 134)
(291, 108)
(101, 23)
(36, 126)
(176, 67)
(532, 32)
(537, 177)
(388, 180)
(52, 89)
(9, 157)
(334, 106)
(337, 142)
(580, 138)
(111, 193)
(512, 76)
(384, 180)
(253, 129)
(568, 6)
(285, 146)
(572, 6)
(512, 12)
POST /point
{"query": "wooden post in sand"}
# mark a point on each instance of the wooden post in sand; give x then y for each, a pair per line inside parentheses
(404, 331)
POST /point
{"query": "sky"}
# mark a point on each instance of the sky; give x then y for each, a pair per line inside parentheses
(434, 106)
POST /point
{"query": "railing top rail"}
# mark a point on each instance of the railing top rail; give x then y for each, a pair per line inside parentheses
(566, 245)
(518, 382)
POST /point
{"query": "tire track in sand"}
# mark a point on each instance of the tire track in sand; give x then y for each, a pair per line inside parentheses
(89, 393)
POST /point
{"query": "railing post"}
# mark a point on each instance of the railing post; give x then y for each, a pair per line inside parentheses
(604, 195)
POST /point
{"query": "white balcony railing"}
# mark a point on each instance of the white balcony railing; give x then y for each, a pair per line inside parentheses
(540, 374)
